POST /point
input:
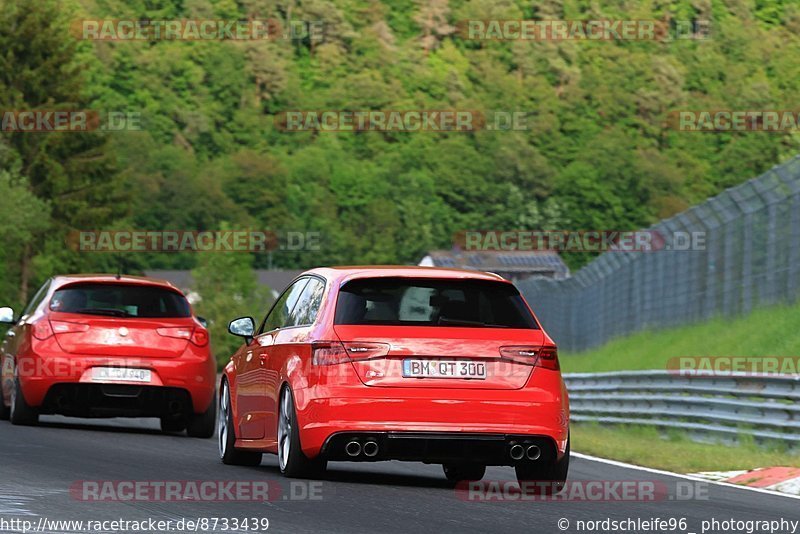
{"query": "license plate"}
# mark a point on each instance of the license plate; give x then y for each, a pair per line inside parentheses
(120, 374)
(444, 369)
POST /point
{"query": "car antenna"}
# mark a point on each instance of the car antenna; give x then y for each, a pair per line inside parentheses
(119, 270)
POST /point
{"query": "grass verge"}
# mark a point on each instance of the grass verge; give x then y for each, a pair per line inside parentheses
(672, 451)
(765, 332)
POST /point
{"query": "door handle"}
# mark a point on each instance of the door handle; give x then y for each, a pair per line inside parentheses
(10, 333)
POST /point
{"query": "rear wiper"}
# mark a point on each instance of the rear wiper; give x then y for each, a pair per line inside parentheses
(104, 311)
(466, 322)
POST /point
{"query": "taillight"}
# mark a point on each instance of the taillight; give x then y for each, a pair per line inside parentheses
(524, 355)
(548, 358)
(198, 336)
(544, 357)
(41, 329)
(180, 332)
(328, 353)
(66, 327)
(334, 352)
(365, 351)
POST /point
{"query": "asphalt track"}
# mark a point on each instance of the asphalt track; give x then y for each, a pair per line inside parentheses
(40, 464)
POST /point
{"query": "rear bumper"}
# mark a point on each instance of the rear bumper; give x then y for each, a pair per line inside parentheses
(116, 400)
(537, 413)
(193, 374)
(437, 447)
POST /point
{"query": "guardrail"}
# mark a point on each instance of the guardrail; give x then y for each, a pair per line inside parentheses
(764, 407)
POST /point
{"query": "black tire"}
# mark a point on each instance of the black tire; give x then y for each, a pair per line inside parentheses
(171, 425)
(227, 434)
(5, 411)
(464, 472)
(203, 425)
(553, 474)
(291, 460)
(20, 412)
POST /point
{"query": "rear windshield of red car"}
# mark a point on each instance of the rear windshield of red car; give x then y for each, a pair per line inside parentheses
(120, 300)
(432, 302)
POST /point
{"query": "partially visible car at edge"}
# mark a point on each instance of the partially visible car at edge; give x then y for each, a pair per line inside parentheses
(109, 346)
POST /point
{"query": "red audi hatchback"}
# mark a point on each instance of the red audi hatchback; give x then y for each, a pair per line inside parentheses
(397, 363)
(109, 346)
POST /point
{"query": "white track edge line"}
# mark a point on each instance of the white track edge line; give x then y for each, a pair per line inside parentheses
(680, 475)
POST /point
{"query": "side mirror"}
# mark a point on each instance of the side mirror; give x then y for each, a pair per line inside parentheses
(203, 321)
(243, 327)
(6, 315)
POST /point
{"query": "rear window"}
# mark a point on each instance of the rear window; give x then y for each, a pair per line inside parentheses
(431, 302)
(119, 300)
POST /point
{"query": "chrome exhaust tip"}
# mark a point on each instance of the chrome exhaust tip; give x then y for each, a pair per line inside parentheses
(516, 452)
(533, 452)
(370, 449)
(353, 449)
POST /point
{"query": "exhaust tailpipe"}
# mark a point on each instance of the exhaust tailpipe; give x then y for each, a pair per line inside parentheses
(533, 452)
(353, 449)
(517, 452)
(370, 449)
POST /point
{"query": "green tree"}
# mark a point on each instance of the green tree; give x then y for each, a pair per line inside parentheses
(227, 289)
(597, 151)
(23, 216)
(41, 68)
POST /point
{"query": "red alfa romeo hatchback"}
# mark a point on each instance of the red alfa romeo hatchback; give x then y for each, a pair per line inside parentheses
(107, 346)
(397, 363)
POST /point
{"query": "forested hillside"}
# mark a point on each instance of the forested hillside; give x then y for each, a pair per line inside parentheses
(597, 155)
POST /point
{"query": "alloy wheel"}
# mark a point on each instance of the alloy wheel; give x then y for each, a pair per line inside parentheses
(285, 428)
(222, 425)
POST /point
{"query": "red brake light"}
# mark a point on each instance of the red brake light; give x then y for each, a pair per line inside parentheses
(544, 357)
(548, 358)
(334, 352)
(198, 336)
(41, 329)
